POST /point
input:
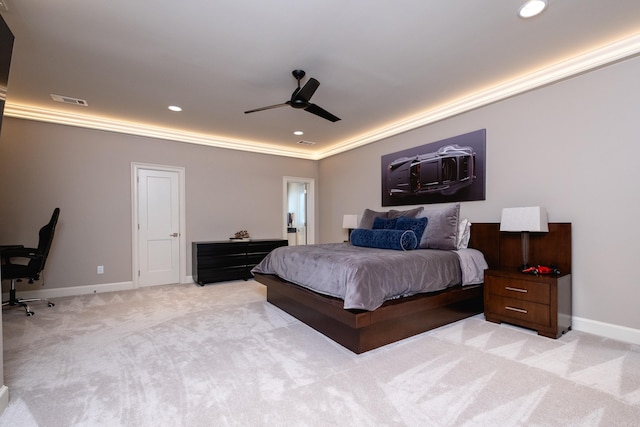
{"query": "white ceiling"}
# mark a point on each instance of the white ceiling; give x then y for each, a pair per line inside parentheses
(384, 66)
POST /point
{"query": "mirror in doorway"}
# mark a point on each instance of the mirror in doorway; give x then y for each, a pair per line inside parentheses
(297, 213)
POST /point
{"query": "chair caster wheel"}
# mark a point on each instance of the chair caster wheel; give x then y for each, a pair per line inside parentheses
(30, 313)
(51, 304)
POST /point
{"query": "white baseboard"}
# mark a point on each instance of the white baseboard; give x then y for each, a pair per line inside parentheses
(4, 398)
(73, 291)
(608, 330)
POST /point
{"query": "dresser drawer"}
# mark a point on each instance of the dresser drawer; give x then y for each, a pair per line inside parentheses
(221, 260)
(524, 312)
(518, 289)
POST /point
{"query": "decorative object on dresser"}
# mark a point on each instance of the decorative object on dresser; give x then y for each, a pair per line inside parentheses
(219, 261)
(242, 235)
(538, 302)
(524, 221)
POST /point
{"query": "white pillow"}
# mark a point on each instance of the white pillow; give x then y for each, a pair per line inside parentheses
(464, 233)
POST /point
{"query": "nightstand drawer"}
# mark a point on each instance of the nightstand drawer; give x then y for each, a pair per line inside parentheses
(524, 311)
(518, 289)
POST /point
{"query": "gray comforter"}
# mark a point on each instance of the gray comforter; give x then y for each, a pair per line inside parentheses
(363, 277)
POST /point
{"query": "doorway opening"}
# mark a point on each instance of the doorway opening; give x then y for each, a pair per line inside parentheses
(298, 206)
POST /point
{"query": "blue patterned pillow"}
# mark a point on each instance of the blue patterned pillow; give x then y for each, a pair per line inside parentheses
(384, 223)
(400, 240)
(418, 225)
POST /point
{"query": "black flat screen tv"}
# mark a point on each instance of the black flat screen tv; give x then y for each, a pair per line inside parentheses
(6, 49)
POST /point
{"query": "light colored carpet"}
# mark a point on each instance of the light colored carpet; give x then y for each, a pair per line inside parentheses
(219, 355)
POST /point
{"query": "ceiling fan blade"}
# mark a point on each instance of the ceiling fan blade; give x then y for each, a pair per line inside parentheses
(268, 107)
(318, 111)
(307, 90)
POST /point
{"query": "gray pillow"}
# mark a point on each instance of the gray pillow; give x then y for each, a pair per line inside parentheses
(368, 216)
(411, 213)
(442, 228)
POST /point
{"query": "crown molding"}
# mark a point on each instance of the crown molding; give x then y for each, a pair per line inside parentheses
(28, 112)
(588, 61)
(609, 54)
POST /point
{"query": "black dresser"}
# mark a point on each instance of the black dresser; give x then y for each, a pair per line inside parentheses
(226, 260)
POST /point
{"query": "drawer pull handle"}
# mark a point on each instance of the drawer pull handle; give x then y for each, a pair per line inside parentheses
(519, 310)
(509, 288)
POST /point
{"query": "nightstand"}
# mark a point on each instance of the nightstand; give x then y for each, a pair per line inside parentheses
(542, 303)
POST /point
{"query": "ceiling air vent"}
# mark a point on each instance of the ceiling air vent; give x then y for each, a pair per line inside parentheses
(303, 142)
(69, 100)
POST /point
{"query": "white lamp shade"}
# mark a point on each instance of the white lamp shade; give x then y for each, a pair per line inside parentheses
(532, 218)
(350, 221)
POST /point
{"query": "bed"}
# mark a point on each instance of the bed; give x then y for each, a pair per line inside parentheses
(362, 330)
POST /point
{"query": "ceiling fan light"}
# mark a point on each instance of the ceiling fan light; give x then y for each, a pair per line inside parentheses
(532, 8)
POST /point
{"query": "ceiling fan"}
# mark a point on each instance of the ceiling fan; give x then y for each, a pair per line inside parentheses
(300, 98)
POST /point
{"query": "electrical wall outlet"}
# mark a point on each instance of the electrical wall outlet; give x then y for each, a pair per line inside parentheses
(101, 269)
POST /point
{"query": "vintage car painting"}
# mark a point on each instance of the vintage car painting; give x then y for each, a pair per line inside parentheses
(444, 171)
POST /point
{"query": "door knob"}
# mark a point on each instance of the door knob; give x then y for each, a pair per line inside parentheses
(173, 235)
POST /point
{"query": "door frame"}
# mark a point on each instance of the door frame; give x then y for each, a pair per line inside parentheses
(135, 167)
(311, 206)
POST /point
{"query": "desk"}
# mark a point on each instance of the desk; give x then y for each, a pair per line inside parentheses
(5, 247)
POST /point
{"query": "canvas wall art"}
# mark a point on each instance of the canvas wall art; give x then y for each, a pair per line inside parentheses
(449, 170)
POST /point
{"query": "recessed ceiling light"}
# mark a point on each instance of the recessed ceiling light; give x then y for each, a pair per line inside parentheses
(298, 132)
(532, 8)
(174, 108)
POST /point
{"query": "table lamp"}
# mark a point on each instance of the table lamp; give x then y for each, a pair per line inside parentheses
(350, 222)
(524, 220)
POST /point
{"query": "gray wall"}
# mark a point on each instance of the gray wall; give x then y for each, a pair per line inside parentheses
(87, 174)
(572, 147)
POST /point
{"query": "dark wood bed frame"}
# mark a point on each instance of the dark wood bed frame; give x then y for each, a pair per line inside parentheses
(361, 331)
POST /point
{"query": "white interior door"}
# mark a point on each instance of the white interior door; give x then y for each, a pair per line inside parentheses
(158, 227)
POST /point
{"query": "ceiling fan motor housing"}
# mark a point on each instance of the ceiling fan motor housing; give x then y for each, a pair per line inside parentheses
(298, 103)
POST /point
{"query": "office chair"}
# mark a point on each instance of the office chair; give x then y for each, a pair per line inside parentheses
(32, 269)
